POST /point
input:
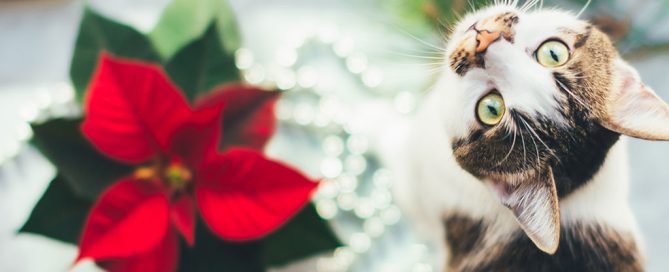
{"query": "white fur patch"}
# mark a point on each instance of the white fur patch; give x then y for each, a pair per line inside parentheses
(605, 198)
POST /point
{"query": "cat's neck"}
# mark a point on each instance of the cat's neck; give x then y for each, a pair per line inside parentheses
(597, 210)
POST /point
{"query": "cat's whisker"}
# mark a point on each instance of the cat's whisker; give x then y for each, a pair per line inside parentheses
(433, 72)
(536, 147)
(436, 57)
(429, 59)
(457, 14)
(548, 149)
(429, 66)
(587, 4)
(501, 2)
(536, 2)
(513, 144)
(529, 5)
(522, 139)
(422, 50)
(458, 66)
(534, 132)
(564, 87)
(432, 46)
(436, 70)
(445, 26)
(471, 6)
(423, 65)
(579, 75)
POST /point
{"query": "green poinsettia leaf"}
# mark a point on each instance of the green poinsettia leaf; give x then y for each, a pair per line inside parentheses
(227, 27)
(185, 20)
(303, 236)
(97, 33)
(210, 253)
(202, 65)
(60, 213)
(86, 170)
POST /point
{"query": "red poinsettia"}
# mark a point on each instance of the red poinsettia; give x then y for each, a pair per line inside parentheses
(135, 115)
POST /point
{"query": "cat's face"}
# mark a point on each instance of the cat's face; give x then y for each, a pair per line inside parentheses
(535, 100)
(517, 73)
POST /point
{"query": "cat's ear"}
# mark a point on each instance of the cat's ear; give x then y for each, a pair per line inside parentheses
(632, 108)
(534, 202)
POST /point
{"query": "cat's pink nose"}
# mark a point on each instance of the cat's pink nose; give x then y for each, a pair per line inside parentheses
(485, 38)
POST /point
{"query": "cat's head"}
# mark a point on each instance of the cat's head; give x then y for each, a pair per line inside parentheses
(535, 99)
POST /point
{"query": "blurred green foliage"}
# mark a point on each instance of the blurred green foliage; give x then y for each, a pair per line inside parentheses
(202, 65)
(432, 14)
(185, 20)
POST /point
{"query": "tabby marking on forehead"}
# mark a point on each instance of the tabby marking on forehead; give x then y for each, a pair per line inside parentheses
(463, 58)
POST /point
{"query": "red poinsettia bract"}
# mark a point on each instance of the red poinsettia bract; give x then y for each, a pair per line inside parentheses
(135, 115)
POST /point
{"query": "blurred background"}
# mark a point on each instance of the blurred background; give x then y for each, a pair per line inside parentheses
(352, 71)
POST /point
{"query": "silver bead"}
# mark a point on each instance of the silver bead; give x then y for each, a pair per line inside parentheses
(331, 167)
(360, 242)
(326, 209)
(244, 58)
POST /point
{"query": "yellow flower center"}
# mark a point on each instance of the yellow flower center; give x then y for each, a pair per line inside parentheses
(175, 175)
(146, 173)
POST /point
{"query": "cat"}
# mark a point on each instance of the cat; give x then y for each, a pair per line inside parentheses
(515, 160)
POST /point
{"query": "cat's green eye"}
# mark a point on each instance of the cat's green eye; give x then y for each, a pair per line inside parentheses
(552, 54)
(490, 109)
